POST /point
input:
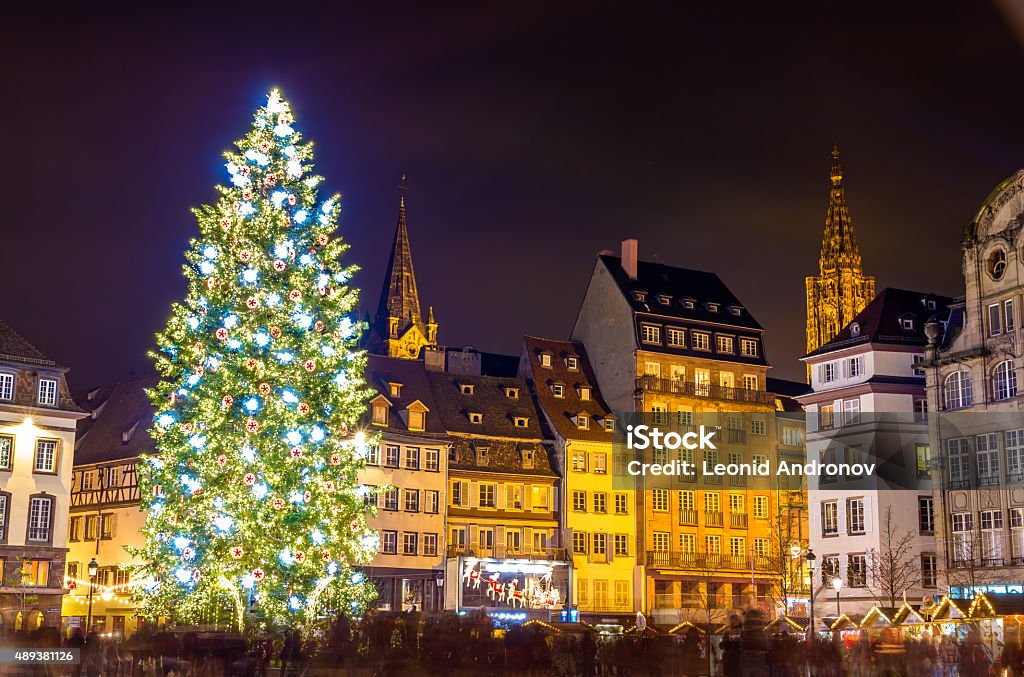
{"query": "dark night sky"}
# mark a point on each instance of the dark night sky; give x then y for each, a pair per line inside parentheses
(532, 139)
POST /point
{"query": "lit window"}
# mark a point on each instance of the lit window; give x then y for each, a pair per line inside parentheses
(6, 451)
(701, 340)
(467, 389)
(545, 360)
(521, 421)
(395, 389)
(750, 381)
(475, 417)
(39, 517)
(572, 363)
(582, 421)
(48, 392)
(558, 390)
(724, 344)
(585, 393)
(417, 420)
(6, 386)
(1004, 381)
(379, 414)
(676, 337)
(748, 347)
(957, 390)
(650, 333)
(512, 393)
(46, 456)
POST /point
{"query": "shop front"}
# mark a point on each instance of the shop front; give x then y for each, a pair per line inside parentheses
(509, 589)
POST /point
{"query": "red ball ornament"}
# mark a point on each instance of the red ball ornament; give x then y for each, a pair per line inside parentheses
(258, 574)
(188, 553)
(319, 326)
(252, 425)
(264, 146)
(245, 255)
(211, 282)
(252, 303)
(246, 194)
(270, 181)
(244, 171)
(321, 239)
(225, 223)
(300, 557)
(249, 479)
(335, 459)
(329, 486)
(295, 295)
(195, 574)
(200, 371)
(310, 365)
(264, 388)
(292, 200)
(278, 504)
(221, 334)
(237, 552)
(325, 555)
(275, 332)
(187, 427)
(227, 400)
(222, 460)
(303, 408)
(251, 363)
(279, 266)
(296, 452)
(354, 525)
(307, 496)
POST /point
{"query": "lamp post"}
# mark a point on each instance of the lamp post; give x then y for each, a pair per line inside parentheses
(809, 558)
(93, 569)
(837, 583)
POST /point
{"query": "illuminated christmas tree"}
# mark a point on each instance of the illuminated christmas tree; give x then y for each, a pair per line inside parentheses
(252, 498)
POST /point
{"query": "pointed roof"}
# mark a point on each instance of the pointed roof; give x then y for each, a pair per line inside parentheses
(400, 298)
(14, 347)
(839, 244)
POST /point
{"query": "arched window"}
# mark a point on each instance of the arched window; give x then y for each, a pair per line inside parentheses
(958, 390)
(1004, 381)
(997, 264)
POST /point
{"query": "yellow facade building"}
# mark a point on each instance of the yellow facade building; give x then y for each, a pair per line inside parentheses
(597, 506)
(676, 347)
(105, 517)
(840, 290)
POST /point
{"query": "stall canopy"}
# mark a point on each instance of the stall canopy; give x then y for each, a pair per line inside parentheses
(996, 605)
(879, 617)
(684, 628)
(909, 615)
(787, 624)
(952, 610)
(843, 622)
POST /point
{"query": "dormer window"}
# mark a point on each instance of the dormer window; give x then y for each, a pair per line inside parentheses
(545, 360)
(664, 299)
(689, 303)
(572, 363)
(650, 333)
(609, 423)
(583, 421)
(466, 388)
(521, 421)
(854, 329)
(735, 310)
(379, 407)
(527, 458)
(584, 392)
(712, 307)
(907, 323)
(476, 417)
(394, 389)
(558, 390)
(417, 416)
(640, 295)
(483, 455)
(512, 393)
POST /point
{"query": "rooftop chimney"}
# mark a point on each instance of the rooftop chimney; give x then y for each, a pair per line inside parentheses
(629, 248)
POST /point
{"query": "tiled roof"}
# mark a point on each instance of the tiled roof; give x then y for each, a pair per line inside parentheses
(880, 321)
(411, 374)
(678, 285)
(488, 398)
(119, 422)
(13, 346)
(781, 386)
(561, 411)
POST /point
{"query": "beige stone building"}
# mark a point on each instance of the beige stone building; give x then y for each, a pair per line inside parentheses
(37, 441)
(974, 356)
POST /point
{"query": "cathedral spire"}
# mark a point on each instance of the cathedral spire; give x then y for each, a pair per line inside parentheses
(399, 324)
(840, 290)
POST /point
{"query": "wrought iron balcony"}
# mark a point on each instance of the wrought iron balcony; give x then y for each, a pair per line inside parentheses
(713, 518)
(690, 389)
(688, 518)
(738, 520)
(700, 561)
(506, 552)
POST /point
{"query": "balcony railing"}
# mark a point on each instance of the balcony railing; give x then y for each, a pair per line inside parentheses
(738, 520)
(691, 389)
(737, 480)
(506, 552)
(737, 436)
(988, 480)
(697, 561)
(712, 518)
(688, 518)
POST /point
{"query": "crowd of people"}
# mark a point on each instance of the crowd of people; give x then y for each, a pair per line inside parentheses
(409, 644)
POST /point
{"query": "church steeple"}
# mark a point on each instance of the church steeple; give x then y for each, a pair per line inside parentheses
(840, 290)
(399, 327)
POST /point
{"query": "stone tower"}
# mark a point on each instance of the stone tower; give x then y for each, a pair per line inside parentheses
(840, 290)
(398, 329)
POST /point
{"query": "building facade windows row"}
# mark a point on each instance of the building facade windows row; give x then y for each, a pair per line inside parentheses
(45, 457)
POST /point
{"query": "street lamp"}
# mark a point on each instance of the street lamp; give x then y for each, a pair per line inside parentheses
(837, 583)
(809, 558)
(93, 569)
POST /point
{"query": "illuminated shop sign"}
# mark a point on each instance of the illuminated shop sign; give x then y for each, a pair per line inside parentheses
(521, 584)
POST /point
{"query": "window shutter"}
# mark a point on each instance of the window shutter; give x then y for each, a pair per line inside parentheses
(503, 497)
(467, 498)
(868, 515)
(113, 525)
(499, 538)
(528, 539)
(474, 535)
(552, 497)
(841, 510)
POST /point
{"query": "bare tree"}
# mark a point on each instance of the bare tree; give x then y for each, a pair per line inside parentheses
(970, 563)
(785, 571)
(894, 567)
(706, 598)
